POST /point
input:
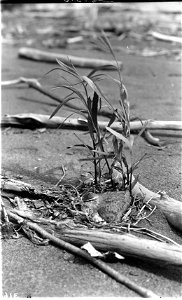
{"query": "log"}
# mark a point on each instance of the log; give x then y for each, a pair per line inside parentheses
(39, 120)
(82, 62)
(126, 245)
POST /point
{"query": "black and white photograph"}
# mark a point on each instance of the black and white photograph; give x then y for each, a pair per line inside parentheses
(91, 149)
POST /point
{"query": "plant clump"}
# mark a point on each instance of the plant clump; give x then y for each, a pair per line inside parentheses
(109, 151)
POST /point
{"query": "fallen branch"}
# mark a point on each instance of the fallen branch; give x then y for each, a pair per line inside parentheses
(76, 251)
(166, 38)
(39, 120)
(82, 62)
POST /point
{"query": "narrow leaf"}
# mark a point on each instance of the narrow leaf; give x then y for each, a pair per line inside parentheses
(98, 158)
(78, 93)
(135, 165)
(134, 182)
(83, 145)
(101, 152)
(95, 109)
(87, 146)
(112, 119)
(60, 105)
(119, 136)
(106, 67)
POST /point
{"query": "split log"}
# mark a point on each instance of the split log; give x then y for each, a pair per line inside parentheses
(126, 245)
(39, 120)
(82, 62)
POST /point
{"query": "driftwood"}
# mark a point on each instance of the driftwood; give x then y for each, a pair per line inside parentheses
(171, 208)
(124, 244)
(35, 84)
(77, 251)
(82, 62)
(127, 245)
(166, 38)
(39, 120)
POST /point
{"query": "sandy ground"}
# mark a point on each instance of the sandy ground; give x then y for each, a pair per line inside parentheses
(154, 91)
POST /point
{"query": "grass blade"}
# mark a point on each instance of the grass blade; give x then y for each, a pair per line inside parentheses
(86, 146)
(120, 136)
(60, 105)
(95, 109)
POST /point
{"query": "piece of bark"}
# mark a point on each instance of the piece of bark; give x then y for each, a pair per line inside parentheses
(82, 62)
